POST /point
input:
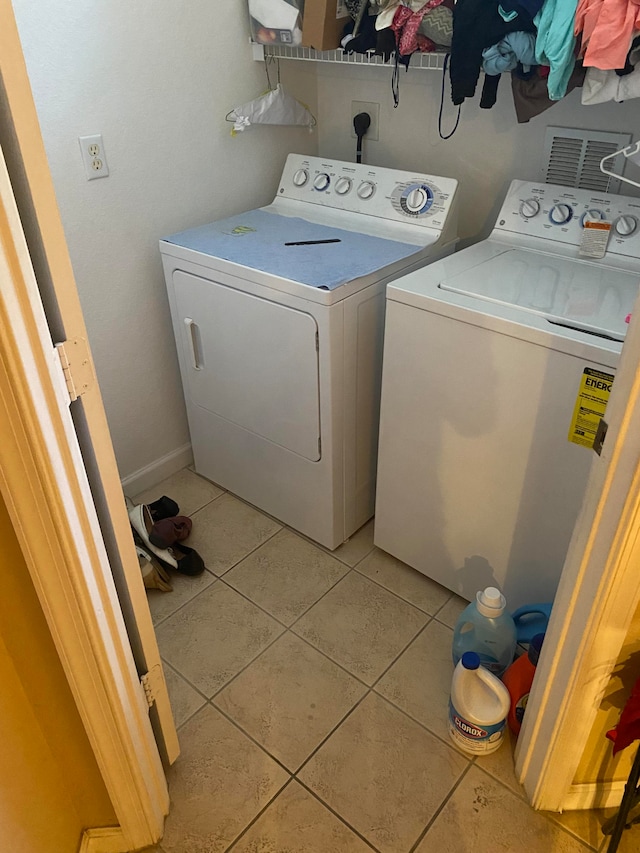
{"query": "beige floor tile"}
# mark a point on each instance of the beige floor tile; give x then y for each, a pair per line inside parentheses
(357, 547)
(361, 626)
(482, 815)
(501, 764)
(419, 682)
(214, 636)
(286, 575)
(384, 774)
(185, 701)
(289, 699)
(163, 604)
(404, 581)
(448, 615)
(227, 530)
(217, 786)
(297, 823)
(187, 489)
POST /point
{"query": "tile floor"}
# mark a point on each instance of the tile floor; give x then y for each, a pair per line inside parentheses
(310, 690)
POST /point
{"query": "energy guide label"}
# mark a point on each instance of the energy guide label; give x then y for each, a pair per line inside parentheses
(593, 396)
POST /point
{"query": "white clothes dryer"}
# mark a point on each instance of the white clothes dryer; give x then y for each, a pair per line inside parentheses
(489, 360)
(278, 316)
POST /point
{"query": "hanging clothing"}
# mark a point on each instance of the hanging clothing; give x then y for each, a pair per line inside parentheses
(406, 25)
(531, 97)
(513, 48)
(477, 24)
(606, 28)
(606, 85)
(555, 43)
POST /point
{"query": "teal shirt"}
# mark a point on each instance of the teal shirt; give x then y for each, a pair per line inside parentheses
(555, 44)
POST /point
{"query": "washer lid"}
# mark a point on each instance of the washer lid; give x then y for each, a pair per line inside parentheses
(256, 239)
(569, 292)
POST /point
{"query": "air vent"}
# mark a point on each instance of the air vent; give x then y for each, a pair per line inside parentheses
(572, 157)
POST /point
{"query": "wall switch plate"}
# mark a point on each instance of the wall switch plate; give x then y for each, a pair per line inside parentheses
(93, 156)
(374, 112)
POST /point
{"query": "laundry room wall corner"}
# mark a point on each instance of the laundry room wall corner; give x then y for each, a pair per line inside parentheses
(156, 81)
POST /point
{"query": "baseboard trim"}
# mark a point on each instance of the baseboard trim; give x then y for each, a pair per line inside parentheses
(109, 839)
(155, 472)
(594, 795)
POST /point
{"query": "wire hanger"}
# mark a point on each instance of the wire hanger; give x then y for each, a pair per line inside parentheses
(631, 152)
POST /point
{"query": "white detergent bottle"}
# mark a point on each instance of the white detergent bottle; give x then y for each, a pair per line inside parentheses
(478, 707)
(487, 628)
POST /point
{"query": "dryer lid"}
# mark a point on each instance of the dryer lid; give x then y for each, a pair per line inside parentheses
(568, 292)
(256, 239)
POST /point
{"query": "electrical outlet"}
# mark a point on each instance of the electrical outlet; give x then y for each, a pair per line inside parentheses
(374, 111)
(93, 156)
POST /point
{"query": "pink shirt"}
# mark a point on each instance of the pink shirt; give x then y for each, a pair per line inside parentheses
(607, 28)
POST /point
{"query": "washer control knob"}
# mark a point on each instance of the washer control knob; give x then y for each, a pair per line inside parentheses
(416, 199)
(529, 207)
(626, 225)
(343, 185)
(560, 214)
(592, 215)
(321, 181)
(366, 190)
(300, 178)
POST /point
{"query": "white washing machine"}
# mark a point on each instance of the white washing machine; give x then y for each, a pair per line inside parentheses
(484, 358)
(278, 315)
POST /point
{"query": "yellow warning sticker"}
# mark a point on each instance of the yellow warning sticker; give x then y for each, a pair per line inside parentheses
(593, 395)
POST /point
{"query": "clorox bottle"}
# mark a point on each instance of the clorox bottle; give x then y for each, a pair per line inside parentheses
(478, 707)
(485, 627)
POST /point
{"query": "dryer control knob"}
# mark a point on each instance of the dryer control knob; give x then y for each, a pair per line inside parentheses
(626, 225)
(300, 177)
(416, 199)
(529, 207)
(560, 214)
(366, 190)
(592, 215)
(343, 185)
(321, 181)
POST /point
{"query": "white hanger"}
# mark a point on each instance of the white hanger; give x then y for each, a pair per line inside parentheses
(631, 152)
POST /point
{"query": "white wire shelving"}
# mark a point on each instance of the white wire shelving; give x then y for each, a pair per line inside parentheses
(425, 61)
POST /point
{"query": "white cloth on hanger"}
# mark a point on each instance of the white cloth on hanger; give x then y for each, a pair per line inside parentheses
(601, 86)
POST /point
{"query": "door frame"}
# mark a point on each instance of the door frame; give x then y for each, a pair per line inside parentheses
(45, 485)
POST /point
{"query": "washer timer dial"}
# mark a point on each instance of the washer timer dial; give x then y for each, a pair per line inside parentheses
(321, 181)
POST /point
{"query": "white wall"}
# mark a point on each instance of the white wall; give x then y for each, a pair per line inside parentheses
(488, 150)
(156, 78)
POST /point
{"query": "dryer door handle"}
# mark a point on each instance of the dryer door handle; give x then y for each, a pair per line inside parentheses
(196, 347)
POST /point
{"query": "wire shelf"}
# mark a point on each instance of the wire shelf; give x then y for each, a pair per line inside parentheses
(427, 61)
